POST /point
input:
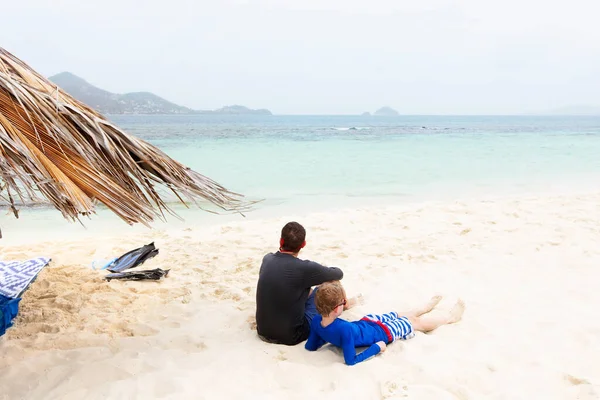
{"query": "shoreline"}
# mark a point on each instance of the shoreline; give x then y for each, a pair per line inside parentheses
(45, 219)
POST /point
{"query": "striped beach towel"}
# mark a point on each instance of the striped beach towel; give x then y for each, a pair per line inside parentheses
(15, 276)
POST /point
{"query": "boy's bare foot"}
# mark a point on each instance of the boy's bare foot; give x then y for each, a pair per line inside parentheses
(457, 312)
(417, 312)
(435, 300)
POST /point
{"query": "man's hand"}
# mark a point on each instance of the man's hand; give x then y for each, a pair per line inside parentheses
(354, 301)
(382, 346)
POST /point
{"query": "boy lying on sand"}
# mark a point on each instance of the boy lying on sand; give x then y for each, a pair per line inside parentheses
(375, 331)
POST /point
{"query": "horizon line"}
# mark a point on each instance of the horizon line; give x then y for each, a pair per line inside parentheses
(364, 116)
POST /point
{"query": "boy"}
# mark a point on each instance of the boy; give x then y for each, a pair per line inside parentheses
(375, 331)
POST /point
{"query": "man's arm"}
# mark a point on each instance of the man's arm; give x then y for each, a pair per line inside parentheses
(314, 274)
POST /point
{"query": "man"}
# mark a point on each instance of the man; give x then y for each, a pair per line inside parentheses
(285, 301)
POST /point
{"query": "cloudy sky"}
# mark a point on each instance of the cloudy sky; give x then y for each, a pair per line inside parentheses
(322, 56)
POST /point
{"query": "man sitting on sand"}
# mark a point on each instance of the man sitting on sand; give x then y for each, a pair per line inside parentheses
(285, 300)
(372, 331)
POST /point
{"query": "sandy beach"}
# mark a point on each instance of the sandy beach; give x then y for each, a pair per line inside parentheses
(526, 268)
(440, 148)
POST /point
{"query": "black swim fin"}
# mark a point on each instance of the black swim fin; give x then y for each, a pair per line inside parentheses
(153, 274)
(133, 258)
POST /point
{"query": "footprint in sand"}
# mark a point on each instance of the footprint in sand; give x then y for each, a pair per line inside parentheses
(391, 389)
(573, 380)
(225, 294)
(140, 329)
(173, 324)
(252, 322)
(426, 392)
(47, 328)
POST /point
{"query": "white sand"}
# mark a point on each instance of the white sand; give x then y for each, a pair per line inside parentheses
(527, 269)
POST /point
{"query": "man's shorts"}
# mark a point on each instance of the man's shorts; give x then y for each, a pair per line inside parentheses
(310, 308)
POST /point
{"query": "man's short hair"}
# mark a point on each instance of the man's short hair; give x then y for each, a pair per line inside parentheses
(329, 295)
(293, 235)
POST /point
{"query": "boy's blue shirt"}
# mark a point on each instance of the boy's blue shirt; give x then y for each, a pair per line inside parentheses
(348, 336)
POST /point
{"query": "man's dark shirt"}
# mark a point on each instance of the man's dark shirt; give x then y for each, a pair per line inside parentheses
(283, 286)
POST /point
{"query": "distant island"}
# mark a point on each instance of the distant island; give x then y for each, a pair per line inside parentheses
(134, 103)
(386, 112)
(383, 111)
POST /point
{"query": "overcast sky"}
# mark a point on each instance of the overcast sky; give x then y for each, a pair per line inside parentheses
(321, 56)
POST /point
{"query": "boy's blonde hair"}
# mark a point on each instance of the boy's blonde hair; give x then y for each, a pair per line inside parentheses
(329, 296)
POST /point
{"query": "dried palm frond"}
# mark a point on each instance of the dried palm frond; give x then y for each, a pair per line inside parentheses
(56, 147)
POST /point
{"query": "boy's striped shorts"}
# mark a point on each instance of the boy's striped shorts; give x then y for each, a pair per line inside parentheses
(395, 327)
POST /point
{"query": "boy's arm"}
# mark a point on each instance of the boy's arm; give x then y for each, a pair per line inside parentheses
(350, 355)
(315, 274)
(314, 341)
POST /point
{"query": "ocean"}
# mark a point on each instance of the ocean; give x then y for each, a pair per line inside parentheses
(296, 160)
(307, 163)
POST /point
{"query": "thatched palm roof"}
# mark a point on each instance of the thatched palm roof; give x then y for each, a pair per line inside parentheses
(54, 147)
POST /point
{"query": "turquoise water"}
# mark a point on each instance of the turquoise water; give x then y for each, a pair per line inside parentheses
(299, 164)
(318, 160)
